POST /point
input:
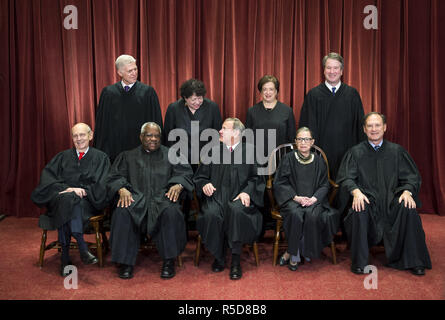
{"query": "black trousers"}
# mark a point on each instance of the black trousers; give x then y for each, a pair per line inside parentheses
(125, 236)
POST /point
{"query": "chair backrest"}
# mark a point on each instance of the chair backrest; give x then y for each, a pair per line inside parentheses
(273, 162)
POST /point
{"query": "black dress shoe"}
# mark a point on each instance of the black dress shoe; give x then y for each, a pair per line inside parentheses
(62, 269)
(235, 272)
(168, 269)
(126, 271)
(217, 266)
(283, 261)
(88, 258)
(357, 270)
(293, 267)
(418, 271)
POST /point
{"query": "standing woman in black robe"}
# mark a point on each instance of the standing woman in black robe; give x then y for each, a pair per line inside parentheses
(192, 106)
(270, 114)
(300, 188)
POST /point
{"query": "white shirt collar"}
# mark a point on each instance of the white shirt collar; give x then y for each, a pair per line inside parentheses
(234, 146)
(330, 87)
(130, 85)
(84, 153)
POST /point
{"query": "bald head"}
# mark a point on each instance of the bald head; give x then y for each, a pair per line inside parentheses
(82, 135)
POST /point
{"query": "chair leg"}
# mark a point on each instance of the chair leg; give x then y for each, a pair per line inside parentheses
(42, 248)
(98, 243)
(255, 252)
(180, 261)
(275, 245)
(198, 250)
(334, 255)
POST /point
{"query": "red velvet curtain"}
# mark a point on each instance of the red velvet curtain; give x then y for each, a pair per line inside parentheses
(52, 77)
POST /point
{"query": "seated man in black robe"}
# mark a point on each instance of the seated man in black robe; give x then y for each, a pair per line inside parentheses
(384, 182)
(148, 183)
(73, 188)
(301, 187)
(231, 191)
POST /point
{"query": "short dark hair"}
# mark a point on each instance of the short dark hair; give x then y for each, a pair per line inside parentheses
(365, 118)
(268, 78)
(193, 86)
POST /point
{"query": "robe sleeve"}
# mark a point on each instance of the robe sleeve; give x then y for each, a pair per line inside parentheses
(201, 178)
(256, 185)
(359, 115)
(291, 127)
(156, 114)
(348, 172)
(100, 134)
(409, 176)
(249, 120)
(282, 188)
(307, 119)
(169, 124)
(183, 174)
(322, 180)
(118, 176)
(217, 120)
(97, 191)
(50, 183)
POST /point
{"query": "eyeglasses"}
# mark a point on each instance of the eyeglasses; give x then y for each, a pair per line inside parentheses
(300, 140)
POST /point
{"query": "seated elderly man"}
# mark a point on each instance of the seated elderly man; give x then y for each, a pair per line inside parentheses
(148, 186)
(231, 191)
(73, 188)
(384, 182)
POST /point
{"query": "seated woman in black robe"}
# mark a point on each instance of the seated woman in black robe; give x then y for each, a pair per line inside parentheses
(300, 188)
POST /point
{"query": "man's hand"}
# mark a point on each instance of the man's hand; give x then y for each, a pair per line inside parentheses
(244, 197)
(174, 192)
(407, 199)
(79, 191)
(125, 198)
(208, 189)
(358, 203)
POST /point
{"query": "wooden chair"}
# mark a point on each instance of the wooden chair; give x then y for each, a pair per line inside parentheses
(101, 245)
(199, 240)
(273, 162)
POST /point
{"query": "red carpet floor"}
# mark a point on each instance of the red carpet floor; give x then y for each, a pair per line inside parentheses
(21, 278)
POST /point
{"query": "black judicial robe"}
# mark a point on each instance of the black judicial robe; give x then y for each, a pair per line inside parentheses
(335, 121)
(281, 118)
(320, 220)
(230, 179)
(148, 176)
(66, 170)
(179, 116)
(120, 116)
(382, 176)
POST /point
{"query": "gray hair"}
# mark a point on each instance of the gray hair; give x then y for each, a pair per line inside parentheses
(124, 60)
(334, 56)
(150, 124)
(237, 124)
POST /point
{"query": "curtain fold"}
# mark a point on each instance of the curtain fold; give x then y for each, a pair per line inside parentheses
(51, 77)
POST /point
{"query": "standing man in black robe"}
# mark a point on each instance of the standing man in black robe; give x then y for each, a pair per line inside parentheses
(147, 183)
(123, 108)
(73, 188)
(384, 182)
(333, 111)
(231, 191)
